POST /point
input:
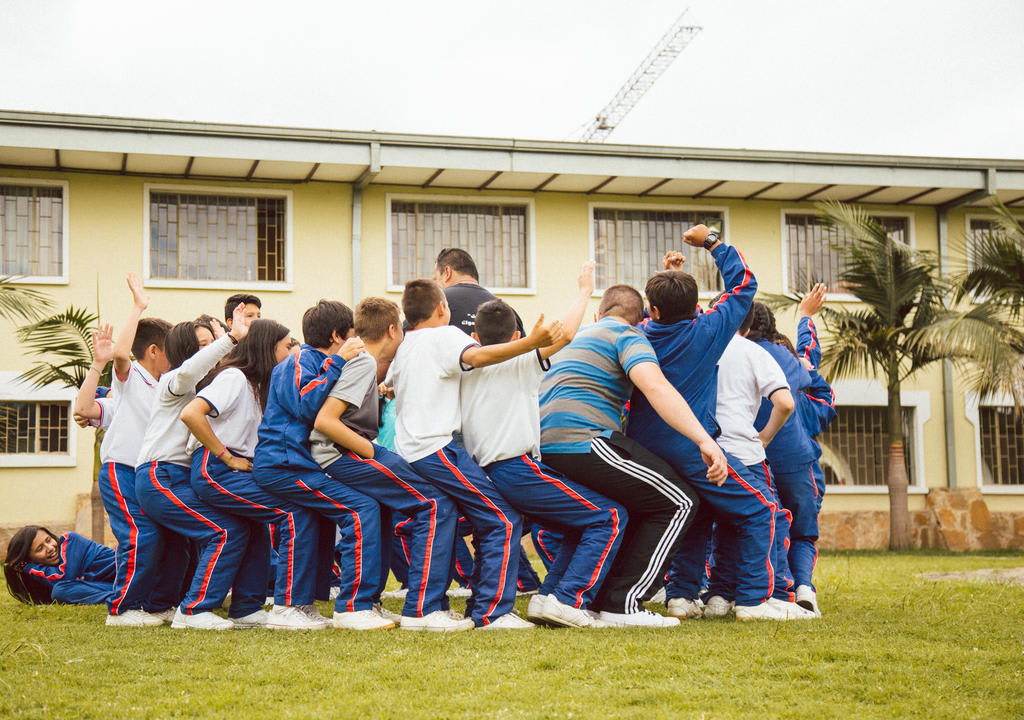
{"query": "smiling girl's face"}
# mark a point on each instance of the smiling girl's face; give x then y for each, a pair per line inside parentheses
(44, 549)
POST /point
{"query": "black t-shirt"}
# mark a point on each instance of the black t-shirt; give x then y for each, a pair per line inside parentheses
(464, 299)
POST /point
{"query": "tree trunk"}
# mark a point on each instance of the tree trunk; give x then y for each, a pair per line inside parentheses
(99, 520)
(896, 473)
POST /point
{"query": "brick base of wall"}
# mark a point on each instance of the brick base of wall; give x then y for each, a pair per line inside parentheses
(952, 520)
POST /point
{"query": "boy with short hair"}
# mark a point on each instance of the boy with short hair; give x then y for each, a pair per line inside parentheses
(253, 307)
(501, 430)
(343, 444)
(426, 375)
(284, 465)
(150, 560)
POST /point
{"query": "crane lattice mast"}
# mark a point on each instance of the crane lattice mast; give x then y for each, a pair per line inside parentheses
(657, 61)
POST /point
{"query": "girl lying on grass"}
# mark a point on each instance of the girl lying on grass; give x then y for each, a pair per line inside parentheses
(42, 568)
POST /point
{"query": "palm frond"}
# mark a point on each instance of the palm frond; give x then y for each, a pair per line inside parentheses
(995, 264)
(18, 302)
(65, 336)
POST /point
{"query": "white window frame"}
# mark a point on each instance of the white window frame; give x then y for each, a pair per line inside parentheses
(63, 278)
(654, 207)
(873, 393)
(531, 244)
(13, 390)
(972, 411)
(238, 285)
(990, 216)
(784, 235)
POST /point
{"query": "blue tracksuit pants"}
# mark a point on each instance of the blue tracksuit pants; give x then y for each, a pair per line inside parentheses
(151, 562)
(526, 578)
(745, 506)
(497, 528)
(295, 527)
(593, 525)
(358, 551)
(546, 542)
(428, 532)
(227, 558)
(801, 492)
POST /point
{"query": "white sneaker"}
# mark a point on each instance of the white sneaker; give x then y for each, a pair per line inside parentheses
(387, 614)
(361, 620)
(717, 606)
(200, 621)
(269, 600)
(313, 614)
(459, 592)
(289, 617)
(659, 597)
(807, 598)
(535, 608)
(334, 593)
(773, 609)
(509, 621)
(135, 618)
(392, 594)
(557, 612)
(685, 608)
(165, 616)
(644, 618)
(437, 621)
(256, 619)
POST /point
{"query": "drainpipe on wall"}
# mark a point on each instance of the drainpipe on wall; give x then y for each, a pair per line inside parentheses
(942, 220)
(367, 177)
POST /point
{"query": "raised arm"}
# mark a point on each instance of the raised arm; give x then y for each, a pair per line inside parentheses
(807, 345)
(574, 316)
(541, 336)
(673, 409)
(102, 353)
(737, 278)
(123, 348)
(196, 367)
(328, 421)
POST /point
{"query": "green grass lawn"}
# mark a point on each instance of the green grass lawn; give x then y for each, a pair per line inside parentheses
(889, 645)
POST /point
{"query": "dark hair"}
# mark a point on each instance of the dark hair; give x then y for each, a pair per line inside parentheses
(745, 325)
(321, 321)
(674, 293)
(495, 322)
(293, 342)
(420, 299)
(624, 301)
(254, 356)
(459, 261)
(762, 326)
(244, 298)
(150, 331)
(374, 316)
(181, 343)
(24, 587)
(211, 322)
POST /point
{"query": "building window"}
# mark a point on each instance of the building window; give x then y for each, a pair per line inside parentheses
(629, 246)
(494, 234)
(34, 428)
(32, 230)
(856, 444)
(217, 237)
(813, 249)
(1002, 445)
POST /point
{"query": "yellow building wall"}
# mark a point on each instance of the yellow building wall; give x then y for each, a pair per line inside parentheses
(106, 236)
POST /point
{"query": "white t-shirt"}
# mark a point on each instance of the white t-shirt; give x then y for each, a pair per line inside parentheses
(108, 406)
(166, 436)
(746, 373)
(501, 409)
(132, 403)
(357, 387)
(235, 413)
(426, 373)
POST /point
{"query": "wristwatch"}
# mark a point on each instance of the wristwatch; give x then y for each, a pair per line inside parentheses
(711, 239)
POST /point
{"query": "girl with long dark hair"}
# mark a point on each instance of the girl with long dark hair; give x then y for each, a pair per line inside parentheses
(42, 568)
(224, 419)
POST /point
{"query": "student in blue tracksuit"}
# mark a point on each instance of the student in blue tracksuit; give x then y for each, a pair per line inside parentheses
(816, 405)
(688, 346)
(223, 419)
(284, 466)
(166, 495)
(150, 561)
(41, 567)
(501, 430)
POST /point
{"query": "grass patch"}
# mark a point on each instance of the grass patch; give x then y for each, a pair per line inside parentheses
(890, 645)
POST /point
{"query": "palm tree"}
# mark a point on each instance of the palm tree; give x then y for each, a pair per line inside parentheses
(900, 327)
(18, 302)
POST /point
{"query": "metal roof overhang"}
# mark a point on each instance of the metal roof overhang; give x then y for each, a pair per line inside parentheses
(176, 150)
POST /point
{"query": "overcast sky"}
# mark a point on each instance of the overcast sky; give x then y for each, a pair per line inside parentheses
(939, 77)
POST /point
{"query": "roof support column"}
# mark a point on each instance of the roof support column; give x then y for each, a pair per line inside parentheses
(948, 421)
(371, 172)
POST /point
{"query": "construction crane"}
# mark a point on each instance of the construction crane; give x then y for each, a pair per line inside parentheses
(657, 61)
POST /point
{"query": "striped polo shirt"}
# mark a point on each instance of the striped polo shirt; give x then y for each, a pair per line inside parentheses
(582, 395)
